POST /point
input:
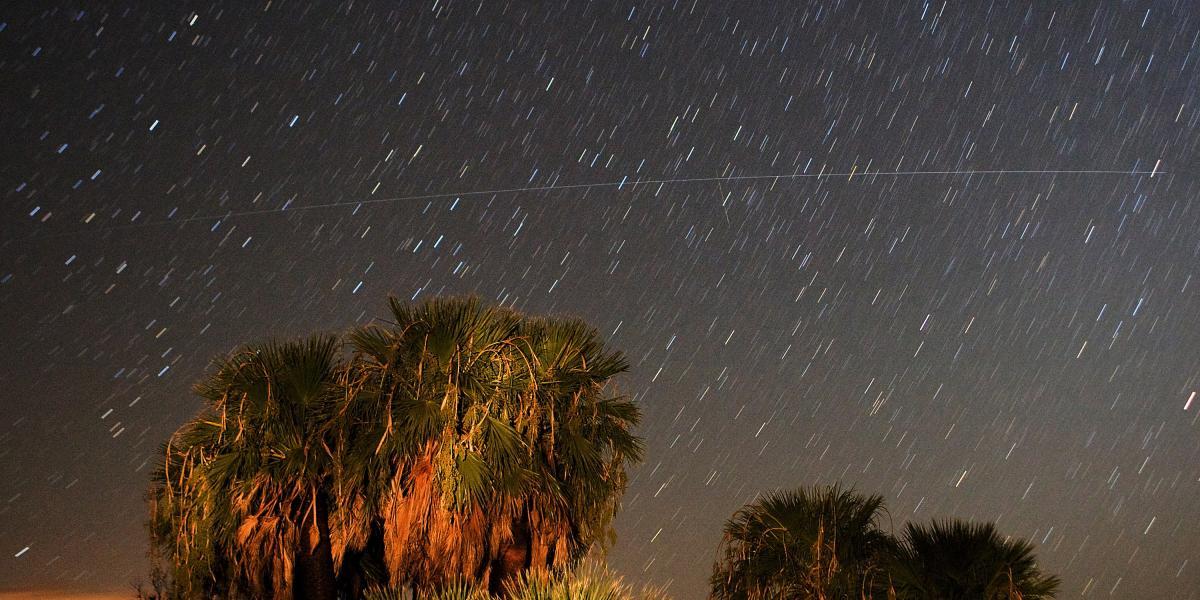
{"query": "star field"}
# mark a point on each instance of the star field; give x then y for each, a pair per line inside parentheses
(826, 234)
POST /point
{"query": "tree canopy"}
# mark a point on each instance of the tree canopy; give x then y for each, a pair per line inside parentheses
(458, 438)
(959, 560)
(826, 543)
(819, 542)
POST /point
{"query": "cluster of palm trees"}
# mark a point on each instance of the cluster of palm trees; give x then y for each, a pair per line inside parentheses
(463, 451)
(827, 543)
(458, 440)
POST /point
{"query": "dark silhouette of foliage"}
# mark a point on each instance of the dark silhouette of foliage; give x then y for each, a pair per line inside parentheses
(825, 543)
(821, 542)
(958, 560)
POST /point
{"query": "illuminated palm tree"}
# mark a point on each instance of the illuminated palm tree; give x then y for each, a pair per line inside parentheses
(810, 543)
(957, 560)
(241, 505)
(480, 443)
(461, 441)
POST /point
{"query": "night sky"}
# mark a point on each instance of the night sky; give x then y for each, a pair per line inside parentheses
(826, 234)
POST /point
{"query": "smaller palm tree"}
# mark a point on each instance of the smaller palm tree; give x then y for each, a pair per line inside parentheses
(240, 505)
(959, 560)
(459, 589)
(587, 581)
(821, 543)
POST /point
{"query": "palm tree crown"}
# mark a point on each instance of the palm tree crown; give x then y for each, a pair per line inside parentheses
(239, 505)
(821, 542)
(958, 560)
(482, 441)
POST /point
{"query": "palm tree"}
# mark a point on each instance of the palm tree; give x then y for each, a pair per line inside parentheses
(958, 560)
(810, 543)
(479, 443)
(242, 503)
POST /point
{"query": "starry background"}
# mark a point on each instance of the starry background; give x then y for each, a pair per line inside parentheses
(179, 178)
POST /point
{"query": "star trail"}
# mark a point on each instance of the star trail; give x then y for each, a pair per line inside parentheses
(940, 251)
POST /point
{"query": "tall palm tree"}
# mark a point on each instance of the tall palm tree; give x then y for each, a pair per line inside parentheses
(811, 543)
(479, 443)
(958, 560)
(242, 503)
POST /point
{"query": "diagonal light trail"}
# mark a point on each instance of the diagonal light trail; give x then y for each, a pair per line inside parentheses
(614, 184)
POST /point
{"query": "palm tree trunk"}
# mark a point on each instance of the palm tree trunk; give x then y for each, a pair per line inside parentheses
(314, 579)
(514, 558)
